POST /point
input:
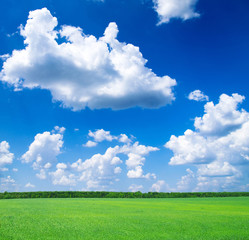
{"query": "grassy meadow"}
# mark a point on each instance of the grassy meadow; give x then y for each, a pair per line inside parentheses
(198, 218)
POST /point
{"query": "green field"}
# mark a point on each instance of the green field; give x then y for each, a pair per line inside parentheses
(199, 218)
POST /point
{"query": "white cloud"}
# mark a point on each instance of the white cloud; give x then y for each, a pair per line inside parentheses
(160, 186)
(136, 159)
(217, 169)
(61, 166)
(100, 171)
(187, 182)
(222, 117)
(190, 148)
(29, 185)
(135, 188)
(168, 9)
(62, 177)
(101, 135)
(117, 170)
(7, 180)
(124, 138)
(44, 150)
(198, 96)
(84, 71)
(8, 184)
(59, 129)
(48, 165)
(42, 174)
(15, 170)
(90, 144)
(6, 157)
(4, 169)
(219, 147)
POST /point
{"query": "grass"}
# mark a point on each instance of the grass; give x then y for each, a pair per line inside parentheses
(199, 218)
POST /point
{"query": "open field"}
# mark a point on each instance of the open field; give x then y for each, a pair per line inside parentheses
(198, 218)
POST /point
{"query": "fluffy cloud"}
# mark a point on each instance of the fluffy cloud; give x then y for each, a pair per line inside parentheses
(44, 150)
(190, 148)
(198, 96)
(187, 182)
(136, 157)
(4, 169)
(222, 117)
(90, 144)
(62, 177)
(6, 157)
(8, 184)
(101, 170)
(219, 146)
(135, 188)
(160, 186)
(167, 9)
(29, 185)
(217, 169)
(101, 135)
(83, 71)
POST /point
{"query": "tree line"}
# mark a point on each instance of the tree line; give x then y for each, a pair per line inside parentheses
(102, 194)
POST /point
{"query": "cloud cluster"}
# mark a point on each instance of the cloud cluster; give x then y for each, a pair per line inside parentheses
(101, 135)
(8, 184)
(198, 96)
(81, 70)
(102, 170)
(168, 9)
(29, 185)
(62, 176)
(43, 150)
(135, 188)
(160, 186)
(6, 157)
(219, 146)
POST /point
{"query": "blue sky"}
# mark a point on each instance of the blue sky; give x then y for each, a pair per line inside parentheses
(129, 95)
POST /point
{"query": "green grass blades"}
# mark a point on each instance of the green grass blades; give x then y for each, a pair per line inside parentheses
(199, 218)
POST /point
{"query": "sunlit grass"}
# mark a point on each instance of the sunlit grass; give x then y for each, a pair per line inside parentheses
(199, 218)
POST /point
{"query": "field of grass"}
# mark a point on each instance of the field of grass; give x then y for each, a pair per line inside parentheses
(199, 218)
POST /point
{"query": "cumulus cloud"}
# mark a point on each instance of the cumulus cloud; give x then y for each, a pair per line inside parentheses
(29, 185)
(218, 147)
(90, 144)
(168, 9)
(8, 184)
(136, 157)
(160, 186)
(42, 174)
(4, 169)
(101, 135)
(82, 70)
(198, 96)
(124, 138)
(135, 188)
(62, 177)
(187, 182)
(222, 117)
(101, 170)
(44, 150)
(6, 157)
